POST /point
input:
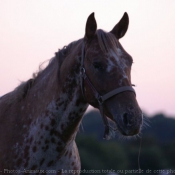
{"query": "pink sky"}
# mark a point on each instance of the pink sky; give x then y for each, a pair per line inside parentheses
(31, 31)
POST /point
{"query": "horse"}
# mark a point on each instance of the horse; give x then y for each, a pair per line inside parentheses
(41, 117)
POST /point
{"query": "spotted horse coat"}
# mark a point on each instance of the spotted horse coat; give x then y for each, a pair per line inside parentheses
(39, 120)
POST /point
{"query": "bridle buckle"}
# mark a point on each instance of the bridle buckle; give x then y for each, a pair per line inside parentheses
(82, 70)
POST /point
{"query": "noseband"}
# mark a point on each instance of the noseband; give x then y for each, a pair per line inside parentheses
(100, 98)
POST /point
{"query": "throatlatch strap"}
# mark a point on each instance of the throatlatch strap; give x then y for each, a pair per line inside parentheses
(105, 121)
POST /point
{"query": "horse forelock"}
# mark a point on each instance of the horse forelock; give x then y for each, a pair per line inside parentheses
(117, 57)
(107, 41)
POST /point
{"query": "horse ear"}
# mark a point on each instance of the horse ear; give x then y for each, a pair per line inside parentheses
(120, 29)
(91, 26)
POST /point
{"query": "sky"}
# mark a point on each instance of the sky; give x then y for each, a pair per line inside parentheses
(32, 31)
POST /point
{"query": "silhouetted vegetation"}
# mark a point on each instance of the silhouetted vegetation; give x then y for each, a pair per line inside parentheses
(156, 154)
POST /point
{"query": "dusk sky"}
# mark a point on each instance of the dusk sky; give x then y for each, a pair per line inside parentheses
(32, 31)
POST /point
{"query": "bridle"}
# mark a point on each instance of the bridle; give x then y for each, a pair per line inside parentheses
(100, 98)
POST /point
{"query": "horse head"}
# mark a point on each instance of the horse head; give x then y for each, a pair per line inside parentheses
(107, 76)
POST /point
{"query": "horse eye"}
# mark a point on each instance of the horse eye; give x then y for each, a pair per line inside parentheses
(97, 65)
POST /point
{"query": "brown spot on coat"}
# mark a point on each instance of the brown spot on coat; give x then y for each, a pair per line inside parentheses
(26, 151)
(58, 149)
(62, 126)
(34, 167)
(42, 161)
(41, 126)
(53, 140)
(31, 139)
(34, 149)
(53, 122)
(19, 161)
(46, 141)
(50, 163)
(46, 128)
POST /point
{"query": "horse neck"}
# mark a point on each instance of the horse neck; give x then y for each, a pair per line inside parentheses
(59, 93)
(71, 102)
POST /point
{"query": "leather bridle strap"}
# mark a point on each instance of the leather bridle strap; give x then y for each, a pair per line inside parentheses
(100, 98)
(116, 91)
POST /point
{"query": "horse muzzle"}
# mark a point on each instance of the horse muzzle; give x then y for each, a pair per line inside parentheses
(129, 124)
(127, 116)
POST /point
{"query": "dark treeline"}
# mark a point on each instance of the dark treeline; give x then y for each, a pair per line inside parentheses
(157, 152)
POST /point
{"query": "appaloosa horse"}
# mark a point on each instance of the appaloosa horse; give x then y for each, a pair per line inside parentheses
(39, 120)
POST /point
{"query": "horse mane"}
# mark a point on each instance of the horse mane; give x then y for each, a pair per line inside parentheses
(107, 41)
(21, 91)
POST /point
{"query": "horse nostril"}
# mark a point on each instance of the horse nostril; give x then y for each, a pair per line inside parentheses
(127, 119)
